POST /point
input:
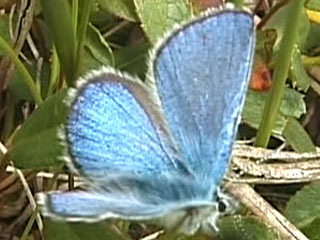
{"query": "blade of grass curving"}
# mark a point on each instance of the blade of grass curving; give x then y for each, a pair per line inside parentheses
(29, 225)
(287, 45)
(82, 31)
(55, 72)
(57, 15)
(22, 69)
(75, 10)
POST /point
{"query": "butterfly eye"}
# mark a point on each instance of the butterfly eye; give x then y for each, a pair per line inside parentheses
(226, 204)
(222, 206)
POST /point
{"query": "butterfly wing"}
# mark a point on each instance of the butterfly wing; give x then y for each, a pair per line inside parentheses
(95, 206)
(116, 128)
(202, 72)
(133, 197)
(119, 141)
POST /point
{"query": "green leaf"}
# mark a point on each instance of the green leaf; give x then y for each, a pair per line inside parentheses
(312, 230)
(58, 230)
(50, 114)
(264, 46)
(4, 30)
(98, 46)
(37, 145)
(253, 110)
(298, 74)
(297, 137)
(313, 4)
(57, 15)
(80, 231)
(84, 16)
(29, 81)
(288, 39)
(19, 88)
(278, 22)
(304, 207)
(89, 61)
(292, 105)
(122, 8)
(244, 228)
(38, 151)
(133, 59)
(313, 39)
(159, 16)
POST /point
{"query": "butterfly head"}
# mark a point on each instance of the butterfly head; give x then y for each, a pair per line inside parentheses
(201, 218)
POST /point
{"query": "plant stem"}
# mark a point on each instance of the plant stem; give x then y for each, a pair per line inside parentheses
(22, 69)
(287, 45)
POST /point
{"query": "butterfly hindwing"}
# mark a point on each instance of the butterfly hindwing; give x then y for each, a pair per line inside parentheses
(95, 206)
(127, 197)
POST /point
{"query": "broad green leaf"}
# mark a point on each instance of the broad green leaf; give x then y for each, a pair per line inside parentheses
(253, 109)
(312, 230)
(159, 16)
(55, 230)
(122, 8)
(292, 106)
(304, 207)
(244, 228)
(39, 151)
(298, 74)
(37, 145)
(297, 136)
(98, 46)
(57, 15)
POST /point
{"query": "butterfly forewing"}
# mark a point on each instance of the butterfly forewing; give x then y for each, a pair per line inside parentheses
(110, 130)
(202, 72)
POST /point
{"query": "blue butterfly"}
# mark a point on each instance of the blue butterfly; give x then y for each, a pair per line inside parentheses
(161, 148)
